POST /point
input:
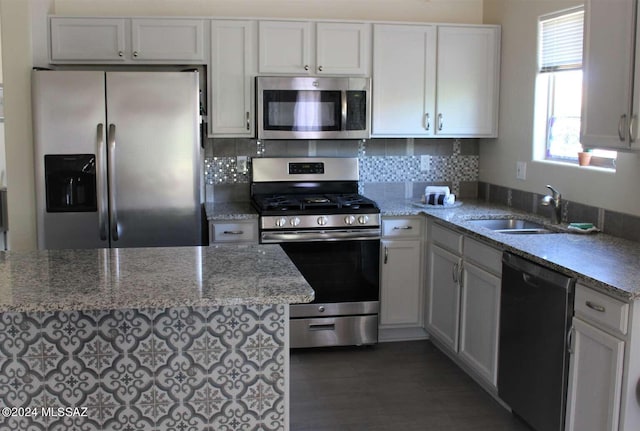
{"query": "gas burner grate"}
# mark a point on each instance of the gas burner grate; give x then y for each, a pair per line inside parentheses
(283, 203)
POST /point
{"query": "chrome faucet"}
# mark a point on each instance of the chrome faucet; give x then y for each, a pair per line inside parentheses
(555, 201)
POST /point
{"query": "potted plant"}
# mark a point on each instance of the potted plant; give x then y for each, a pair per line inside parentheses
(584, 157)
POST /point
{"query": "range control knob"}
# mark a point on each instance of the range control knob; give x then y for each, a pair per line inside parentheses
(349, 219)
(294, 221)
(281, 221)
(363, 219)
(322, 220)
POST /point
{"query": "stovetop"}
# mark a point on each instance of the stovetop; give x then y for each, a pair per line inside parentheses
(320, 203)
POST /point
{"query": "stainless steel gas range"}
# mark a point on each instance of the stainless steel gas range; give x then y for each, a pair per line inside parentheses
(311, 207)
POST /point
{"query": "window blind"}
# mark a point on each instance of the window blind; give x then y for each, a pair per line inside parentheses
(561, 41)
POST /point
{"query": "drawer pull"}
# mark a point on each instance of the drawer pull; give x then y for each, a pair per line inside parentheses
(596, 307)
(324, 327)
(402, 227)
(233, 232)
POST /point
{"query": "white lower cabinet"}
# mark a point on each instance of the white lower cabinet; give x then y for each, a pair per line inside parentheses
(444, 296)
(401, 285)
(596, 367)
(463, 310)
(595, 379)
(240, 231)
(479, 319)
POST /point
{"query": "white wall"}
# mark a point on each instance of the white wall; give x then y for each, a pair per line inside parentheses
(16, 51)
(616, 191)
(461, 11)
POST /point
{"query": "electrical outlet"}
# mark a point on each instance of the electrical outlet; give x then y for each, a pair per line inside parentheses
(241, 164)
(521, 170)
(425, 163)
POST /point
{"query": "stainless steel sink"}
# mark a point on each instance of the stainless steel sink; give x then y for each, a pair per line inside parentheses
(511, 226)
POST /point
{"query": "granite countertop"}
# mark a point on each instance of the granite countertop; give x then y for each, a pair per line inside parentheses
(230, 211)
(106, 279)
(602, 261)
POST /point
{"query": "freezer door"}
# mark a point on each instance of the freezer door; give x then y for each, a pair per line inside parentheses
(153, 154)
(69, 119)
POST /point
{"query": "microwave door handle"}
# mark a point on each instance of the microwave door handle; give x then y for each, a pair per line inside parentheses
(344, 110)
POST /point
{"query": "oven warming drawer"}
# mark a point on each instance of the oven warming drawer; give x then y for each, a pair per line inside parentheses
(334, 331)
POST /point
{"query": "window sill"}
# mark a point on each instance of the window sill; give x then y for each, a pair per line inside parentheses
(576, 166)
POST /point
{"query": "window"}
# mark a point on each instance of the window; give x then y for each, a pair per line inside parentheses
(559, 88)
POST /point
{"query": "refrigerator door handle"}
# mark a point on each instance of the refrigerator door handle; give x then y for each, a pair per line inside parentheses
(101, 176)
(111, 167)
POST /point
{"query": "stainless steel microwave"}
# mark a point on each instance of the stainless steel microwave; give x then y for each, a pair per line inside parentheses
(313, 107)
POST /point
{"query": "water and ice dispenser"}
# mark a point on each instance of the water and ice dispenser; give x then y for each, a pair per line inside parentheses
(70, 182)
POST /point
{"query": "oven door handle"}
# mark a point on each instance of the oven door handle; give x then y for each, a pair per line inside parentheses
(320, 235)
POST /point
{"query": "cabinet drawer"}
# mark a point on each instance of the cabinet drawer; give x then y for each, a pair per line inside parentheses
(447, 238)
(483, 255)
(234, 232)
(601, 309)
(402, 227)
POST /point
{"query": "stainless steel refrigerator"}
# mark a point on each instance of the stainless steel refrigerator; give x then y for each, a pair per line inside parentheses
(117, 159)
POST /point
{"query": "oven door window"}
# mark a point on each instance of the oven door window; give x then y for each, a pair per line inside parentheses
(339, 271)
(302, 110)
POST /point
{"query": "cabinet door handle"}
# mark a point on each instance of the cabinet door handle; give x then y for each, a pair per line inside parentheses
(632, 122)
(402, 227)
(120, 54)
(386, 254)
(596, 307)
(248, 122)
(454, 273)
(306, 67)
(570, 340)
(623, 119)
(135, 54)
(320, 68)
(233, 232)
(440, 121)
(427, 121)
(460, 273)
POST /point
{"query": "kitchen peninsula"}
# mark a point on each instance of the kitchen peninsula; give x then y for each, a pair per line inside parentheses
(147, 338)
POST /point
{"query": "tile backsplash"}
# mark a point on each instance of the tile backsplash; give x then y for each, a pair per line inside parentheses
(388, 167)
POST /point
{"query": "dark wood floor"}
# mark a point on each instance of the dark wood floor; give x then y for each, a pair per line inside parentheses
(403, 386)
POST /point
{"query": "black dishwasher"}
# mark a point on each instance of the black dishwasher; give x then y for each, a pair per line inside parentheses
(536, 307)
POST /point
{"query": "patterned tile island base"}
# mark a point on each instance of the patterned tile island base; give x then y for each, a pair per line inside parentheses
(216, 368)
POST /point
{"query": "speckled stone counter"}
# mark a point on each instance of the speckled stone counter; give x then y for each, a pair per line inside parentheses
(193, 338)
(106, 279)
(602, 261)
(230, 211)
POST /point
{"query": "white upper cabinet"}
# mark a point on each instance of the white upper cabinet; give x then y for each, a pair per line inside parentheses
(231, 73)
(342, 48)
(435, 81)
(284, 47)
(467, 81)
(404, 77)
(162, 39)
(607, 115)
(287, 47)
(125, 40)
(80, 39)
